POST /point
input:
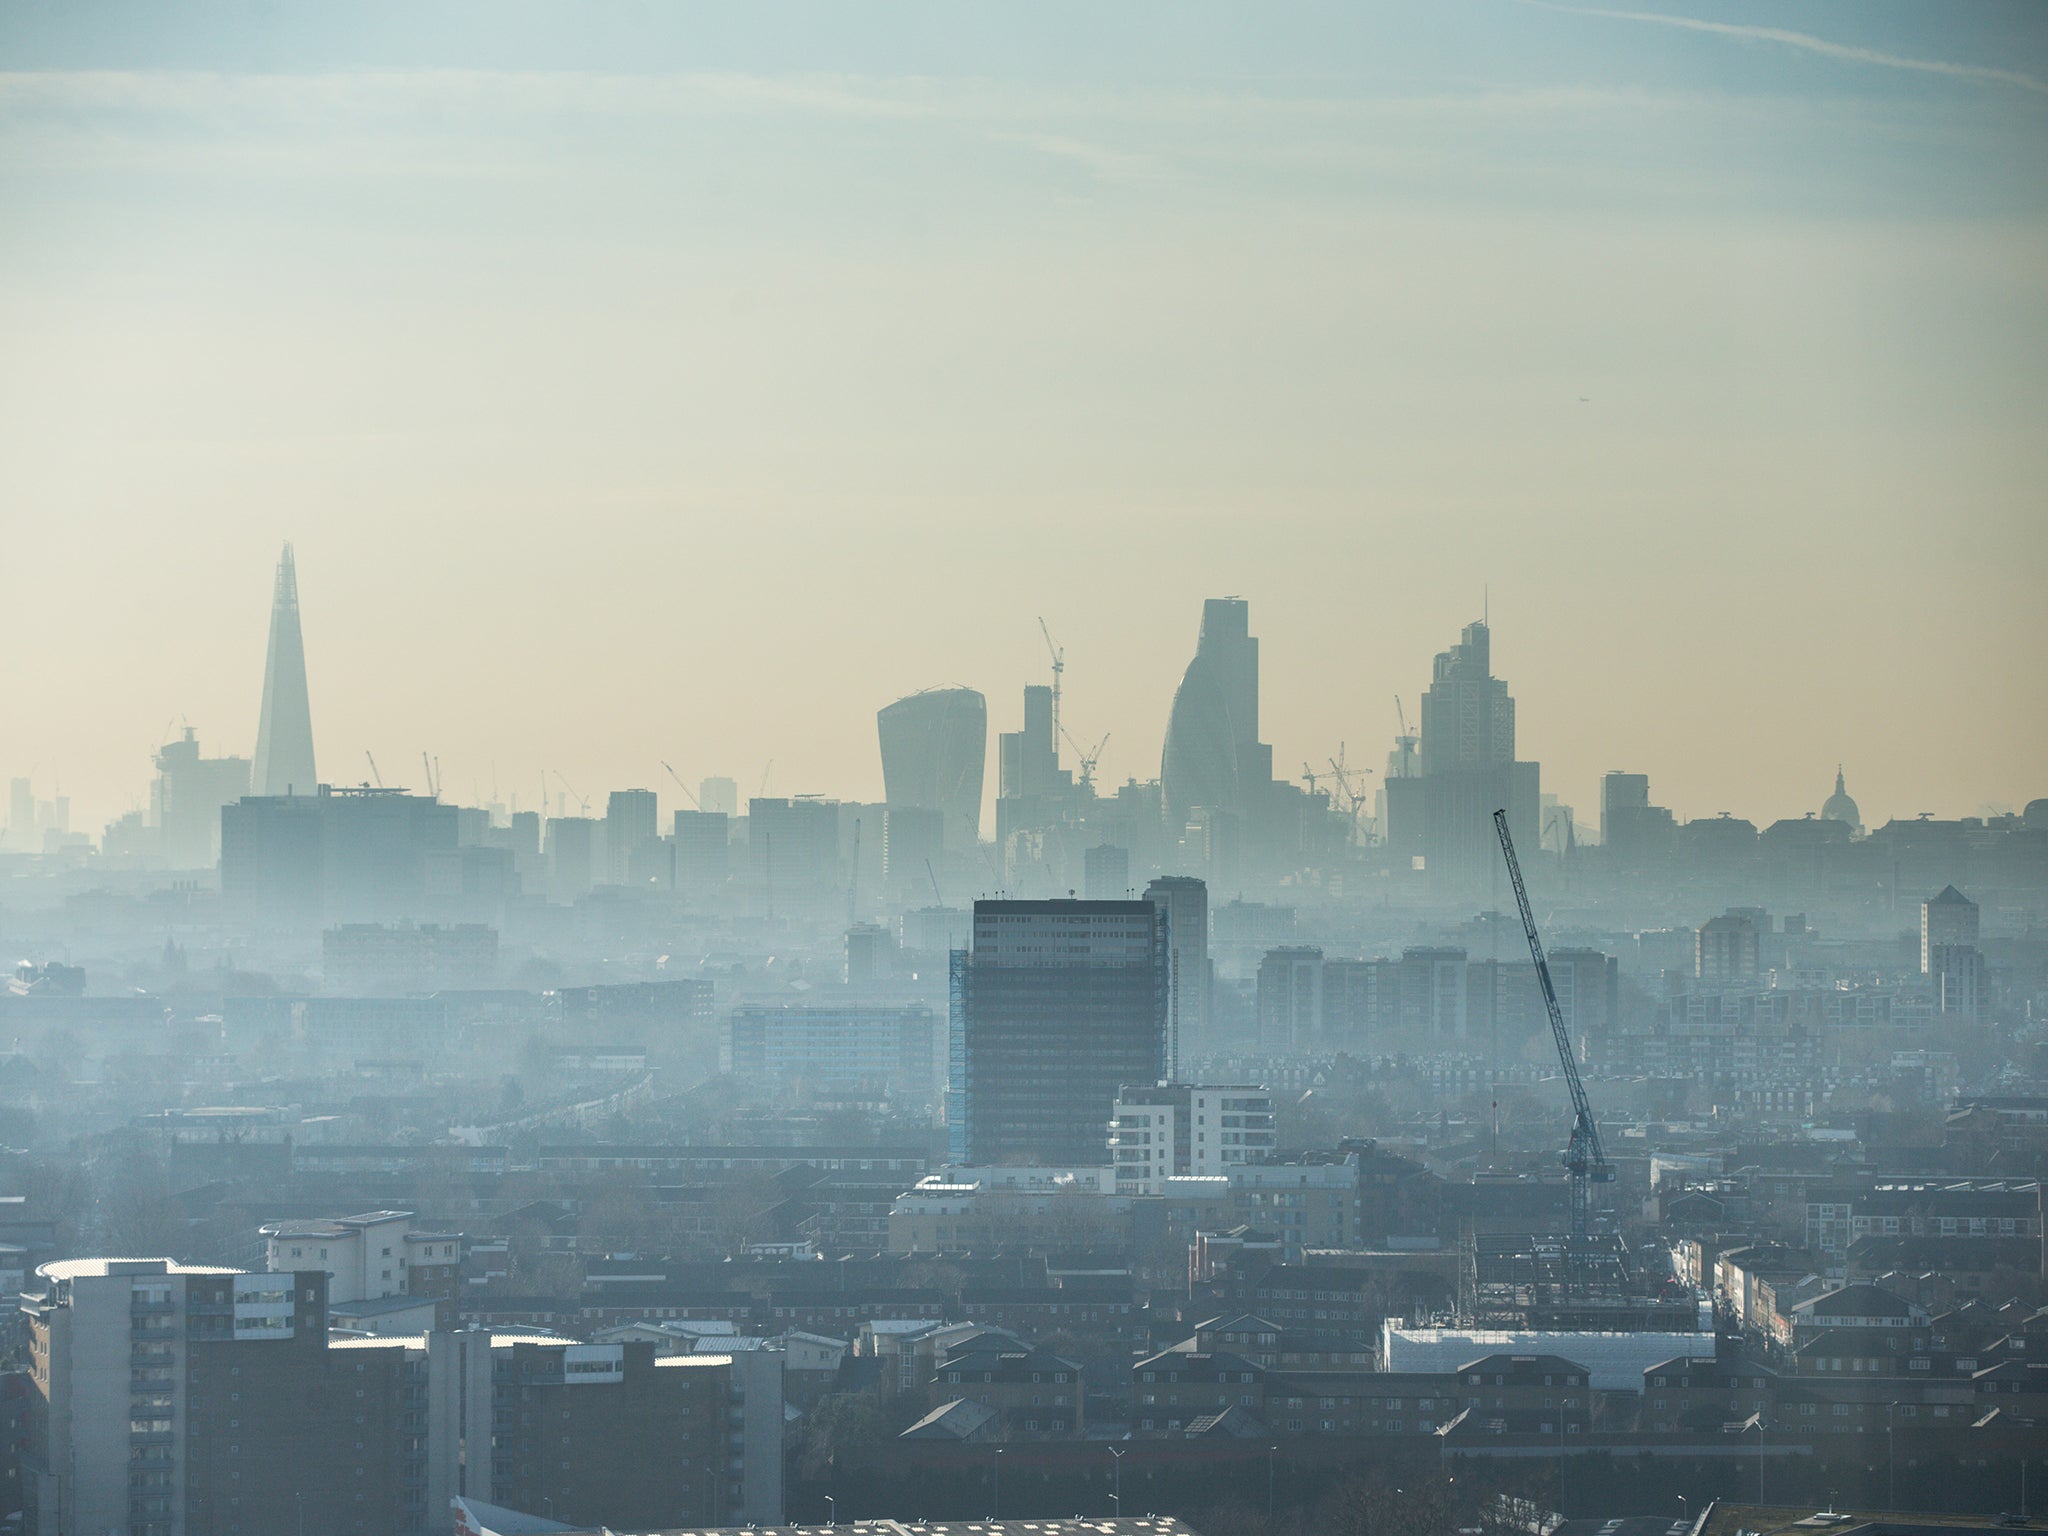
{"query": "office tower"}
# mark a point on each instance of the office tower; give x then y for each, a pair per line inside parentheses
(703, 851)
(1949, 956)
(1028, 760)
(793, 848)
(1290, 992)
(1213, 756)
(1444, 815)
(21, 814)
(1839, 807)
(934, 754)
(718, 797)
(1057, 1006)
(1182, 1130)
(1106, 873)
(1629, 825)
(1036, 799)
(1727, 949)
(185, 801)
(913, 837)
(1185, 901)
(175, 1399)
(284, 734)
(572, 856)
(630, 829)
(1946, 919)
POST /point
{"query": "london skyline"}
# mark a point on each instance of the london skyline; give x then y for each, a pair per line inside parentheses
(860, 774)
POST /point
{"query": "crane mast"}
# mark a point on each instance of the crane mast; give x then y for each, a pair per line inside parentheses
(1585, 1160)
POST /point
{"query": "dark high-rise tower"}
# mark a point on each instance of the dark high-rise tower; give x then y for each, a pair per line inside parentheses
(1057, 1006)
(284, 736)
(1213, 755)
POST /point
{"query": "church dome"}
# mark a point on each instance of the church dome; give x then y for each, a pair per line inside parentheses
(1840, 807)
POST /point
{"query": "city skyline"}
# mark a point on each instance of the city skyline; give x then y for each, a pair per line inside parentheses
(404, 768)
(621, 399)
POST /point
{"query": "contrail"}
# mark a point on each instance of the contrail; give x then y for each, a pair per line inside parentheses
(1812, 44)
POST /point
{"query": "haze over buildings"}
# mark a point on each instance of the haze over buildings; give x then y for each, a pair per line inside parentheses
(1280, 765)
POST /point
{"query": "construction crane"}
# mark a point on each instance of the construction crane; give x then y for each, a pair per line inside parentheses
(681, 785)
(1585, 1160)
(433, 778)
(1405, 765)
(1088, 759)
(1353, 795)
(1059, 665)
(574, 793)
(373, 768)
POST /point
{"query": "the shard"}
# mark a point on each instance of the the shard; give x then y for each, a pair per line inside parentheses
(284, 738)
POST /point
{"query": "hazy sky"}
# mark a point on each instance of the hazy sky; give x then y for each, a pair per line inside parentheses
(646, 381)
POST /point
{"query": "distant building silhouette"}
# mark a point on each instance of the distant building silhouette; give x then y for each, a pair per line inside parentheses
(703, 851)
(1106, 873)
(1949, 956)
(1727, 949)
(631, 833)
(934, 756)
(1840, 807)
(793, 849)
(1468, 770)
(1213, 757)
(284, 734)
(186, 799)
(1058, 1005)
(354, 856)
(1630, 827)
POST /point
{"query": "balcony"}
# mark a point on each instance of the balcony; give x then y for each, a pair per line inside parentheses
(145, 1331)
(151, 1308)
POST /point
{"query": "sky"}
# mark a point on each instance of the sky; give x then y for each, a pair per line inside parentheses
(674, 382)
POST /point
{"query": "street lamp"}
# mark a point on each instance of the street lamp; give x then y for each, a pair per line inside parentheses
(999, 1484)
(831, 1510)
(1271, 1452)
(1117, 1496)
(1684, 1511)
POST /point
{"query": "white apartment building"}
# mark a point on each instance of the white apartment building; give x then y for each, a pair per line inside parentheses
(366, 1257)
(1177, 1130)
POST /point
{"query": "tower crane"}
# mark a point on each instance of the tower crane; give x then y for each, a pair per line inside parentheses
(1088, 759)
(1404, 764)
(373, 768)
(574, 793)
(681, 785)
(1585, 1160)
(1059, 665)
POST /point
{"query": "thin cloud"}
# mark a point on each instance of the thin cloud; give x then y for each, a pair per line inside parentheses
(1811, 44)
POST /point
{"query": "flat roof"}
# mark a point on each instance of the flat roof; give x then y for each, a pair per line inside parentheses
(95, 1269)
